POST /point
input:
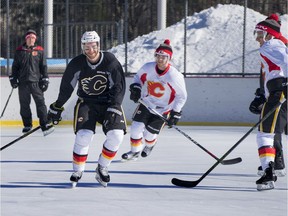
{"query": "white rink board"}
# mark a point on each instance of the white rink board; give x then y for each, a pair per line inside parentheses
(209, 100)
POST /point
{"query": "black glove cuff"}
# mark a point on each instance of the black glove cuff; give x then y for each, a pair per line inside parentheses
(176, 114)
(55, 107)
(135, 87)
(114, 110)
(46, 79)
(260, 92)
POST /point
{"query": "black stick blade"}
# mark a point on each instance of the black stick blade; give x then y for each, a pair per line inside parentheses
(184, 183)
(19, 138)
(231, 161)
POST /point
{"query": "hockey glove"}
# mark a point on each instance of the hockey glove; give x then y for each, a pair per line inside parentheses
(13, 81)
(174, 118)
(135, 90)
(258, 102)
(112, 117)
(43, 84)
(54, 113)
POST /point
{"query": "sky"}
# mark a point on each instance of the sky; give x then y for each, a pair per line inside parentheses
(214, 42)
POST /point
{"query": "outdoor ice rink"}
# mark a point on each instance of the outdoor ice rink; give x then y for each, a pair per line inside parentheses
(35, 176)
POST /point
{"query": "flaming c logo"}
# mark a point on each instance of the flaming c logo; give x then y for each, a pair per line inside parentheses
(155, 89)
(94, 85)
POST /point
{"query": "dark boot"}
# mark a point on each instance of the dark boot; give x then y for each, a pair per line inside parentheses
(267, 181)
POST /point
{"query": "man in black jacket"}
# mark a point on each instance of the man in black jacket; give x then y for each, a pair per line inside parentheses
(29, 74)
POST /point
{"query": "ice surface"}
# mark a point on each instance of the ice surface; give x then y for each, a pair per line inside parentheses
(35, 176)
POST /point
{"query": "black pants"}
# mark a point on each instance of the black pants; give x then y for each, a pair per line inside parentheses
(153, 123)
(87, 114)
(277, 121)
(25, 91)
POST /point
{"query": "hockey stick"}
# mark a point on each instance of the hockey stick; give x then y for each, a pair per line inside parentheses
(6, 103)
(223, 162)
(21, 137)
(189, 184)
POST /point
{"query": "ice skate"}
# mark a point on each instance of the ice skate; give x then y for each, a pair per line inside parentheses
(260, 171)
(267, 181)
(278, 172)
(279, 168)
(26, 129)
(130, 156)
(102, 175)
(75, 177)
(47, 129)
(146, 151)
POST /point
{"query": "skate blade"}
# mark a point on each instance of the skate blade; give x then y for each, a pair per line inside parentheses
(47, 132)
(104, 184)
(127, 160)
(280, 173)
(267, 186)
(73, 184)
(260, 173)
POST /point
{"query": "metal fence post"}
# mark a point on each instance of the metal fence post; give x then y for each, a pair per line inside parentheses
(244, 38)
(8, 37)
(185, 37)
(126, 35)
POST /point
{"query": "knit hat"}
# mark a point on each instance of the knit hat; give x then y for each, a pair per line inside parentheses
(165, 48)
(271, 26)
(275, 17)
(30, 33)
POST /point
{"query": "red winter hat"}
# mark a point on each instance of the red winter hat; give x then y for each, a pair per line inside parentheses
(270, 26)
(165, 48)
(275, 17)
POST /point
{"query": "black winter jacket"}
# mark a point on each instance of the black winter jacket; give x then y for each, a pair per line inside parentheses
(29, 64)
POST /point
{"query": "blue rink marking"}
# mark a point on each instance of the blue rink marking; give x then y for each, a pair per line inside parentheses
(50, 62)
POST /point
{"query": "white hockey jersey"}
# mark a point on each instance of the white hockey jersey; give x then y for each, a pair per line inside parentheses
(274, 58)
(163, 92)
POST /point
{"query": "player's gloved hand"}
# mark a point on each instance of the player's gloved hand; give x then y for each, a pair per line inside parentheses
(258, 102)
(174, 118)
(13, 81)
(43, 84)
(54, 113)
(135, 92)
(112, 116)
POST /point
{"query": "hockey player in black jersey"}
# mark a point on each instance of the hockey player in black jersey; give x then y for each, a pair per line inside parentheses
(101, 89)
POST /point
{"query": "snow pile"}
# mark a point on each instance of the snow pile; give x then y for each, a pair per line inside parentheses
(214, 42)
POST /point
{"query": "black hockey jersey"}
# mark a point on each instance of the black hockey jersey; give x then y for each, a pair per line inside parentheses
(103, 82)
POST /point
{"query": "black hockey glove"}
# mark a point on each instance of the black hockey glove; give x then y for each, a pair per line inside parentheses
(112, 117)
(258, 102)
(135, 90)
(43, 84)
(54, 113)
(174, 118)
(13, 81)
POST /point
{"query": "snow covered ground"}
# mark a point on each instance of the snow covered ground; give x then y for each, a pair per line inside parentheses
(35, 174)
(214, 42)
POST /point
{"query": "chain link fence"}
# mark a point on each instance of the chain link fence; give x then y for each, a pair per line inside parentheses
(116, 21)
